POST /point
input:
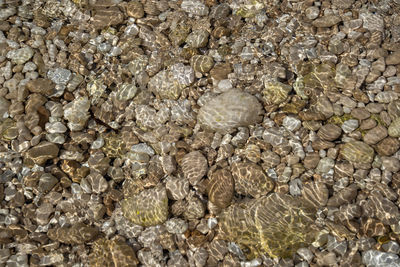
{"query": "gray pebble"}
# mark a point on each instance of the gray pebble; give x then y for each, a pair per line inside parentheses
(312, 12)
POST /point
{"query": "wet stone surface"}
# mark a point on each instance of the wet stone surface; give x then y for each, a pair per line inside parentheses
(199, 133)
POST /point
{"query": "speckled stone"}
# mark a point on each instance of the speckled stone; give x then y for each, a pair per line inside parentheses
(149, 207)
(78, 233)
(114, 252)
(20, 56)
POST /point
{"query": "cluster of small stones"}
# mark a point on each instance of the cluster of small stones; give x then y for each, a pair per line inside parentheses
(199, 133)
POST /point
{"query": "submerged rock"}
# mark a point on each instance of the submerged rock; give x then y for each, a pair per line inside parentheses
(275, 224)
(149, 207)
(357, 151)
(114, 252)
(230, 110)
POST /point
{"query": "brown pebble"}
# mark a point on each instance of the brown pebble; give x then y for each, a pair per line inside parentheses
(344, 196)
(311, 160)
(220, 71)
(78, 233)
(329, 132)
(393, 58)
(34, 102)
(326, 21)
(250, 179)
(221, 188)
(40, 154)
(41, 86)
(388, 146)
(114, 252)
(360, 113)
(368, 124)
(322, 144)
(135, 9)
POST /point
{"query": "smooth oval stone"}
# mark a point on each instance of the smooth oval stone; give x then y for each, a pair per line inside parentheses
(329, 132)
(230, 110)
(358, 152)
(375, 135)
(221, 188)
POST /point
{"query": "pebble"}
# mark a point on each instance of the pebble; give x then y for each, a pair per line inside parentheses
(245, 228)
(343, 4)
(76, 112)
(194, 166)
(380, 259)
(41, 153)
(357, 151)
(312, 12)
(224, 86)
(177, 188)
(112, 252)
(221, 188)
(324, 165)
(194, 7)
(350, 125)
(143, 148)
(176, 226)
(55, 127)
(4, 105)
(326, 21)
(394, 128)
(135, 9)
(126, 92)
(375, 135)
(229, 110)
(78, 233)
(19, 259)
(149, 207)
(291, 124)
(391, 247)
(47, 182)
(251, 180)
(391, 164)
(305, 254)
(41, 86)
(372, 21)
(21, 55)
(388, 146)
(59, 75)
(7, 12)
(329, 132)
